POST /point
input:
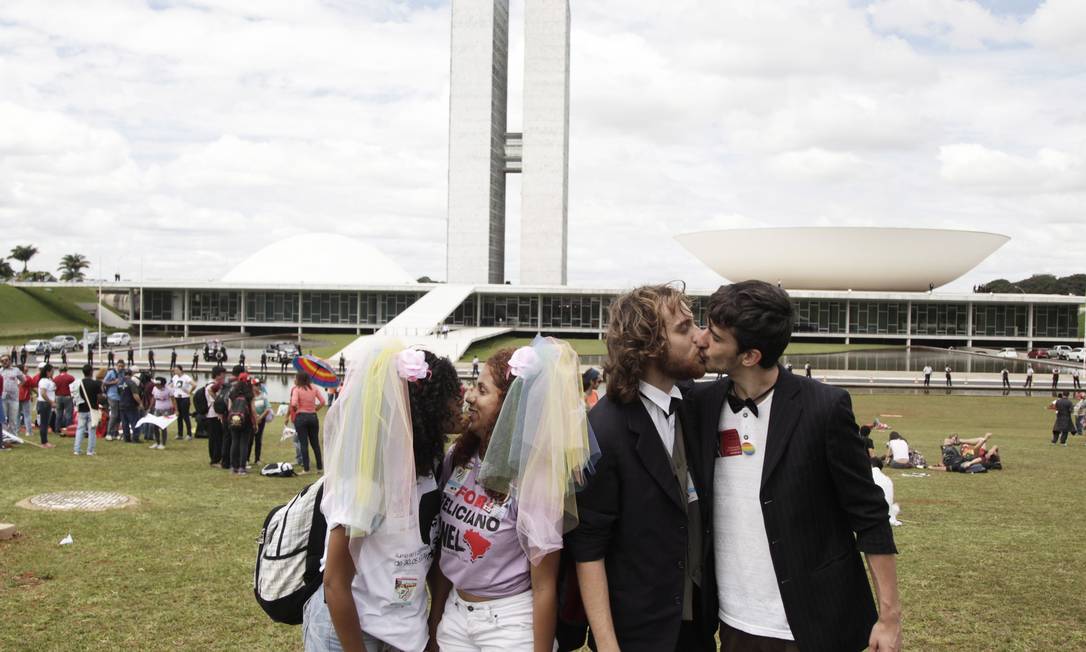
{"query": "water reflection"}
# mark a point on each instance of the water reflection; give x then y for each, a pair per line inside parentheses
(915, 359)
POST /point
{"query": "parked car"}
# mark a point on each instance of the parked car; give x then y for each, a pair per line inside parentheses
(1077, 355)
(286, 352)
(1007, 353)
(91, 339)
(1038, 353)
(63, 343)
(119, 339)
(37, 347)
(1059, 351)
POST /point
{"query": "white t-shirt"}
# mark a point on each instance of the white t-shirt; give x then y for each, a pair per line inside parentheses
(927, 370)
(750, 599)
(47, 390)
(899, 450)
(389, 586)
(182, 385)
(1029, 371)
(211, 401)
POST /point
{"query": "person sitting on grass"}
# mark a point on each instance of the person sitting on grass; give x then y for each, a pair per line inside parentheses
(887, 486)
(869, 444)
(897, 456)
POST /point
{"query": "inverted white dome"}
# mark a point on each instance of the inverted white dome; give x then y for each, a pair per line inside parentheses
(323, 258)
(842, 258)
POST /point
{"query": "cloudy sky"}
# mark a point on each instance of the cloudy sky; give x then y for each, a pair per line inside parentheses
(171, 139)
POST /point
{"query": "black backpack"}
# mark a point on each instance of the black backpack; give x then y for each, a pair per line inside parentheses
(199, 402)
(220, 405)
(288, 559)
(238, 417)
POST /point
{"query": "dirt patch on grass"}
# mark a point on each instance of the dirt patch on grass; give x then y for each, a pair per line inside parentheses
(28, 579)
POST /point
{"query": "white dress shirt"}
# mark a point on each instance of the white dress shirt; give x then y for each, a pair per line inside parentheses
(657, 403)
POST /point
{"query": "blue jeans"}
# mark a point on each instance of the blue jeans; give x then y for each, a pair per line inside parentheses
(64, 412)
(45, 413)
(11, 415)
(24, 416)
(129, 417)
(113, 425)
(318, 634)
(83, 429)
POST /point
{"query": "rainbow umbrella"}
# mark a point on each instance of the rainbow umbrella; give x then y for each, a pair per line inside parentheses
(320, 372)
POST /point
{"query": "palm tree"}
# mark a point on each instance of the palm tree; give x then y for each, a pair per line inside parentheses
(72, 266)
(6, 272)
(23, 254)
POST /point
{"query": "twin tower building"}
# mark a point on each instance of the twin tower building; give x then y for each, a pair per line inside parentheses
(482, 152)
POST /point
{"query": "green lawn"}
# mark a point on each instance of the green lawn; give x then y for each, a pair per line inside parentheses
(43, 312)
(988, 562)
(327, 344)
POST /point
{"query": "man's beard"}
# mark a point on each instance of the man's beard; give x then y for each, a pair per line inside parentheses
(683, 369)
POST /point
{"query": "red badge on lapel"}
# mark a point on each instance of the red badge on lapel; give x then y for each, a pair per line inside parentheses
(729, 443)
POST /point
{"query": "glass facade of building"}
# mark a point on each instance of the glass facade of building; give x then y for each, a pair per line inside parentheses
(571, 311)
(829, 316)
(1055, 321)
(271, 307)
(818, 316)
(330, 307)
(215, 305)
(940, 319)
(158, 305)
(878, 318)
(517, 311)
(1000, 320)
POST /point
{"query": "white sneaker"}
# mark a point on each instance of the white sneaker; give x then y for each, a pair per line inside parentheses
(89, 454)
(153, 446)
(75, 452)
(162, 447)
(109, 437)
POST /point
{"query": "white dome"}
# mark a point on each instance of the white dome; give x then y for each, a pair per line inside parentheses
(319, 258)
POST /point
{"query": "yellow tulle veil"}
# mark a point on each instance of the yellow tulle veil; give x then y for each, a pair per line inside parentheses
(370, 477)
(541, 447)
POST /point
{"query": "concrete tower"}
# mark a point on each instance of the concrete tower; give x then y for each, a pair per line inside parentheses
(477, 112)
(481, 152)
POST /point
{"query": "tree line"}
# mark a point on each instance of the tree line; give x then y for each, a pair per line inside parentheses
(1037, 284)
(71, 266)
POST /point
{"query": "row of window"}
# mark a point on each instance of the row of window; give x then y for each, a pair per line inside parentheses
(283, 307)
(545, 312)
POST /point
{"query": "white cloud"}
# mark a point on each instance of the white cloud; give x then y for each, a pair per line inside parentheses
(1050, 170)
(176, 140)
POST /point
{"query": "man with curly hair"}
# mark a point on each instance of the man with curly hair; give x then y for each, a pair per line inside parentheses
(643, 542)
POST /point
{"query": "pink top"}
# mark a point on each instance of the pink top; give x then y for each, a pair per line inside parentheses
(306, 400)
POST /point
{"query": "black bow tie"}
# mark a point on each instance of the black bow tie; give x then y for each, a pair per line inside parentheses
(737, 404)
(676, 403)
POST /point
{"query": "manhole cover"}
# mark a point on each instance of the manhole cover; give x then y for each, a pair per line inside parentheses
(78, 501)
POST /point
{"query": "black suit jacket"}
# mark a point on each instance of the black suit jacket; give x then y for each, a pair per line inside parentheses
(634, 517)
(820, 505)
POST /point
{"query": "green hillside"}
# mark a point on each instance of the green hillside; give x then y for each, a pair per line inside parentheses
(41, 312)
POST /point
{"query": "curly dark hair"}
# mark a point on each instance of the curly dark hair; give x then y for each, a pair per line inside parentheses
(636, 334)
(468, 443)
(429, 400)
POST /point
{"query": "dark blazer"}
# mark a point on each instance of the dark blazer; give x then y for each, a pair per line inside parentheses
(820, 505)
(633, 516)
